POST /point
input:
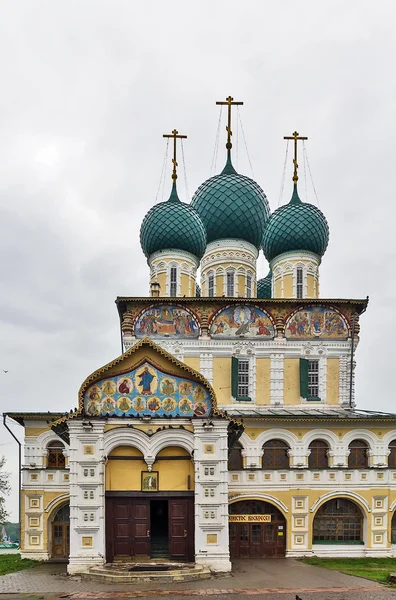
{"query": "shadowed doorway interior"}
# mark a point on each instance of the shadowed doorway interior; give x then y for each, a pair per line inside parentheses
(159, 528)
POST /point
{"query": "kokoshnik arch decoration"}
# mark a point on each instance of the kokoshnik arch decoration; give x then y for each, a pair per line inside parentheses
(242, 321)
(317, 322)
(166, 321)
(146, 390)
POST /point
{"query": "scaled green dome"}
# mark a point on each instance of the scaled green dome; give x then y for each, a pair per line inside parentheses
(264, 286)
(232, 206)
(173, 225)
(296, 226)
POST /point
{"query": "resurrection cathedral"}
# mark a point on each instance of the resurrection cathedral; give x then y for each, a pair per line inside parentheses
(227, 427)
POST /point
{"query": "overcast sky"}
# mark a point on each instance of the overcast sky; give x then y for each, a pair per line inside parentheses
(87, 89)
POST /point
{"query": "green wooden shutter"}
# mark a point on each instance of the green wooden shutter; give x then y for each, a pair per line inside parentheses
(304, 377)
(234, 377)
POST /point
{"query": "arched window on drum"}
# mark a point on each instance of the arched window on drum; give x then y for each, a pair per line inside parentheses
(392, 455)
(319, 457)
(338, 521)
(235, 458)
(358, 455)
(55, 457)
(275, 455)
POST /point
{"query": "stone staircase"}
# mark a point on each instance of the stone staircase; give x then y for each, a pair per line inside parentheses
(147, 571)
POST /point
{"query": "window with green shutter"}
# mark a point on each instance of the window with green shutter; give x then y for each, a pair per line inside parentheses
(240, 379)
(309, 379)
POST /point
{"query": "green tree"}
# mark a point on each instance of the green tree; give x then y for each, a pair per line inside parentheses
(4, 490)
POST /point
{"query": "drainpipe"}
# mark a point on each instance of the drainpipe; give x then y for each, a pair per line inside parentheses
(20, 476)
(352, 357)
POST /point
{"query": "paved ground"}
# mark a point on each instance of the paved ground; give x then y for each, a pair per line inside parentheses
(276, 579)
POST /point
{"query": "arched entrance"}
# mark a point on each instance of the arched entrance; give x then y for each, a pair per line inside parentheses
(60, 533)
(338, 521)
(257, 529)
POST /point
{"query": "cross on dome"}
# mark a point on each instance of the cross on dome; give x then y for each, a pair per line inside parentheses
(175, 135)
(229, 102)
(295, 136)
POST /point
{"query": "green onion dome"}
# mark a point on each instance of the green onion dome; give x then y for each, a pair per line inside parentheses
(296, 226)
(264, 286)
(173, 225)
(232, 206)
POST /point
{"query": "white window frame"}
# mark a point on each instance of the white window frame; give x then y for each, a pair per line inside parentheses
(313, 378)
(211, 276)
(173, 284)
(227, 274)
(299, 284)
(249, 288)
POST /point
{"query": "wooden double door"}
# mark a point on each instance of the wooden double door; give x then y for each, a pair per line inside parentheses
(257, 540)
(149, 528)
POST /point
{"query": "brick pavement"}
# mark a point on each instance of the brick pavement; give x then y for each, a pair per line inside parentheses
(260, 577)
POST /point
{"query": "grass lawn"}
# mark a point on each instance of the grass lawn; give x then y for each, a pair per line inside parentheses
(377, 569)
(9, 563)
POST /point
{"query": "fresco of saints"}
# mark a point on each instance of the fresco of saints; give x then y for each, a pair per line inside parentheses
(139, 405)
(154, 405)
(185, 406)
(169, 405)
(108, 405)
(150, 483)
(185, 388)
(200, 409)
(109, 388)
(262, 329)
(145, 381)
(93, 408)
(124, 404)
(199, 394)
(94, 393)
(125, 386)
(167, 387)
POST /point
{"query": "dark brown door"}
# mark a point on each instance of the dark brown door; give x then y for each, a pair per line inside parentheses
(180, 529)
(60, 540)
(127, 528)
(121, 530)
(141, 527)
(254, 540)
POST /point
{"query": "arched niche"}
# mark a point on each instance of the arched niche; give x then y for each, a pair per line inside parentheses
(313, 322)
(166, 320)
(242, 320)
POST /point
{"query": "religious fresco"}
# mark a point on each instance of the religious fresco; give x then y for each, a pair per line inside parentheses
(242, 321)
(165, 321)
(317, 322)
(147, 391)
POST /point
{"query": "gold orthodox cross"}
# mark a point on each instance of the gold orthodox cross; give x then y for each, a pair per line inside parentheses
(295, 137)
(174, 135)
(229, 102)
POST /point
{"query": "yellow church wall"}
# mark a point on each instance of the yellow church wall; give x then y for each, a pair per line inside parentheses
(126, 475)
(161, 279)
(219, 288)
(241, 290)
(311, 287)
(35, 431)
(186, 288)
(288, 286)
(332, 380)
(263, 376)
(45, 518)
(278, 288)
(174, 475)
(291, 385)
(222, 379)
(193, 362)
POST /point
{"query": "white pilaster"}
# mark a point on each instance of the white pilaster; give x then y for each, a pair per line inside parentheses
(87, 495)
(211, 495)
(277, 368)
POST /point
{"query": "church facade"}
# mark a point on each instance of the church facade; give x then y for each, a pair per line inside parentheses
(228, 426)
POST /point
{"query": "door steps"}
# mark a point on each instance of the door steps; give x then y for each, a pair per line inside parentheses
(146, 571)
